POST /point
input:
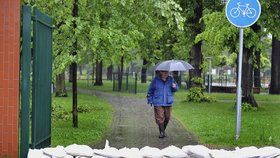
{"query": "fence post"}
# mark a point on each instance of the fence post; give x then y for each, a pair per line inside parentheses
(25, 85)
(135, 84)
(126, 88)
(208, 83)
(211, 80)
(220, 78)
(226, 80)
(113, 81)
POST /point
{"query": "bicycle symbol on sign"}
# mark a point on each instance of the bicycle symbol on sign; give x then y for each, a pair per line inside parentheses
(245, 10)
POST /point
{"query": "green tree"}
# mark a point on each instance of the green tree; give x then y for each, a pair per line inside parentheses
(270, 21)
(194, 10)
(221, 35)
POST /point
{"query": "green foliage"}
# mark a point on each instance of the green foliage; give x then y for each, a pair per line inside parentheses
(270, 14)
(59, 113)
(150, 29)
(197, 80)
(196, 95)
(218, 33)
(86, 108)
(248, 107)
(171, 10)
(62, 94)
(221, 35)
(108, 30)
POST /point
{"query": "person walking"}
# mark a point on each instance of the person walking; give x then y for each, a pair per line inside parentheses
(160, 95)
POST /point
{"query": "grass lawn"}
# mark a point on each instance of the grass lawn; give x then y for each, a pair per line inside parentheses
(214, 123)
(94, 120)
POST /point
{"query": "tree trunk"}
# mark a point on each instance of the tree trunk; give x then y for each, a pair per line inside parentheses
(74, 70)
(60, 90)
(144, 71)
(195, 61)
(257, 62)
(120, 74)
(81, 69)
(98, 78)
(275, 67)
(70, 74)
(195, 53)
(110, 72)
(247, 78)
(92, 75)
(257, 70)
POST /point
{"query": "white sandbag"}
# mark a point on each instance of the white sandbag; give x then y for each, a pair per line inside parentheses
(269, 152)
(151, 152)
(246, 152)
(57, 152)
(94, 156)
(130, 153)
(197, 151)
(221, 154)
(79, 150)
(36, 153)
(174, 152)
(97, 156)
(107, 144)
(108, 152)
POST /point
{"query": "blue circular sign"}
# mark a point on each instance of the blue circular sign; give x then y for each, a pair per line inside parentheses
(243, 13)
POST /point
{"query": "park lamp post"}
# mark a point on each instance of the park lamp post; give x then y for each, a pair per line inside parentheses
(209, 72)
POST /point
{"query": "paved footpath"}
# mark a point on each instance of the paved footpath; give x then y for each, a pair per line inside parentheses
(133, 125)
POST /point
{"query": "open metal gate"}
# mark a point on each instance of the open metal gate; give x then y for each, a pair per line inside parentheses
(41, 61)
(41, 82)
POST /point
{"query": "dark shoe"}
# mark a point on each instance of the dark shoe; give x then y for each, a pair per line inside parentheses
(165, 125)
(161, 131)
(161, 135)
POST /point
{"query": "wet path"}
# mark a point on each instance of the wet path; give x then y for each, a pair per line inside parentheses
(133, 125)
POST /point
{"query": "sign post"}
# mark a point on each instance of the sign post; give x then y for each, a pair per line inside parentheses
(242, 14)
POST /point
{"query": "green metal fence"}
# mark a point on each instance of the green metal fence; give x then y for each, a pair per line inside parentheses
(41, 80)
(128, 83)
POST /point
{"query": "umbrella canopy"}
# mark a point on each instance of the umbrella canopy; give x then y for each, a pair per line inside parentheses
(173, 65)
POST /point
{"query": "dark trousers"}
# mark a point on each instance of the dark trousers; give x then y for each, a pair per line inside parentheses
(162, 114)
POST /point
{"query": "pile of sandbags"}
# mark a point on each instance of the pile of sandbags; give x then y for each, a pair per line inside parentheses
(190, 151)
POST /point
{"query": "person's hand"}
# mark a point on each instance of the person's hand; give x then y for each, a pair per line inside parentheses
(174, 85)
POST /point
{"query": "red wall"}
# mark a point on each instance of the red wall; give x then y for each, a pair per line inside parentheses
(9, 76)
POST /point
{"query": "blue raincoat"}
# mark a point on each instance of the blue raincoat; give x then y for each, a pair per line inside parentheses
(160, 93)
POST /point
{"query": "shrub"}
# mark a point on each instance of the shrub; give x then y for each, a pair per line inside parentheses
(196, 94)
(84, 108)
(60, 113)
(248, 107)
